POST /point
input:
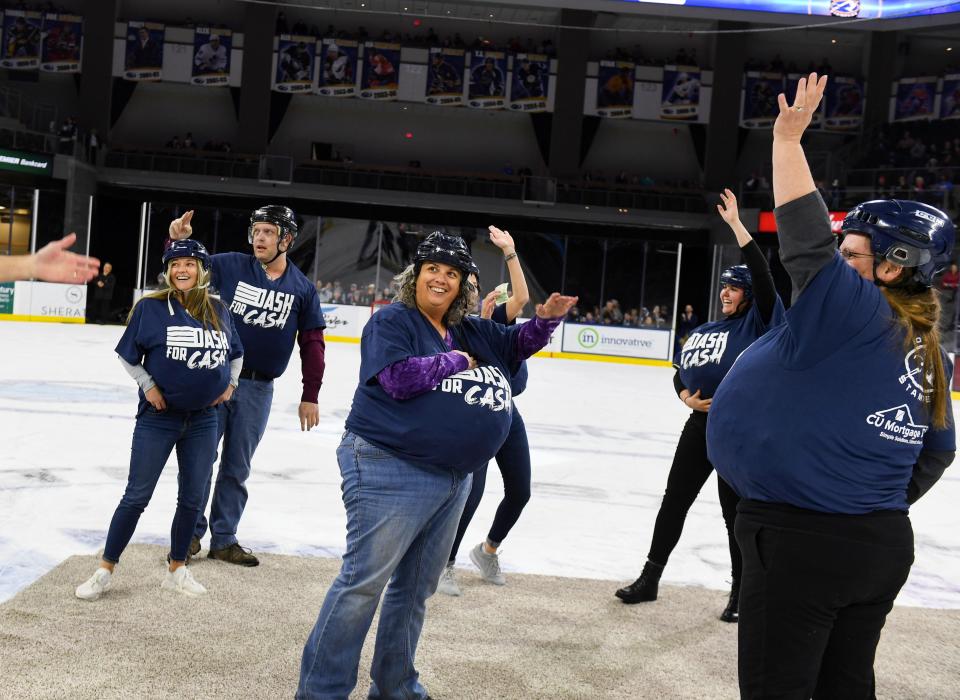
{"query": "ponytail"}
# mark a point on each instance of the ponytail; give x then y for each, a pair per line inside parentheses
(918, 313)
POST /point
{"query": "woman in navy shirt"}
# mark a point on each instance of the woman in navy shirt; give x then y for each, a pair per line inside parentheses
(829, 426)
(433, 405)
(181, 348)
(750, 306)
(513, 458)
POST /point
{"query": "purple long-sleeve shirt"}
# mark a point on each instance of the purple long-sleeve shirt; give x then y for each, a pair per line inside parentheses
(417, 375)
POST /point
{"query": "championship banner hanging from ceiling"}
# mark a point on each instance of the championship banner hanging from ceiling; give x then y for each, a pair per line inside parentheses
(760, 107)
(680, 96)
(338, 68)
(445, 72)
(294, 63)
(843, 104)
(381, 71)
(914, 99)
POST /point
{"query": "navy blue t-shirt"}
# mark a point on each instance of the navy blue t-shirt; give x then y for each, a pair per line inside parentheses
(518, 380)
(463, 421)
(825, 412)
(190, 364)
(712, 348)
(268, 313)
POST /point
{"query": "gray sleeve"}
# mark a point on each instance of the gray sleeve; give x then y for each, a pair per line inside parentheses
(235, 367)
(926, 472)
(807, 242)
(139, 374)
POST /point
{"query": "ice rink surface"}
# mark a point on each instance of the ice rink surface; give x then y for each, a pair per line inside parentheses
(602, 437)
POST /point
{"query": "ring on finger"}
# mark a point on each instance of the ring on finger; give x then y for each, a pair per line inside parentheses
(798, 108)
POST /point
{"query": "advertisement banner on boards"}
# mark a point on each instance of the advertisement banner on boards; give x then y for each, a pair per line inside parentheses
(144, 51)
(21, 40)
(680, 95)
(62, 38)
(211, 56)
(616, 341)
(445, 71)
(488, 80)
(345, 321)
(338, 68)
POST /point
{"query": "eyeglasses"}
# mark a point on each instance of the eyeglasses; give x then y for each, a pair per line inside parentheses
(850, 255)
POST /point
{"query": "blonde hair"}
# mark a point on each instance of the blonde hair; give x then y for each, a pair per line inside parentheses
(196, 300)
(406, 283)
(918, 313)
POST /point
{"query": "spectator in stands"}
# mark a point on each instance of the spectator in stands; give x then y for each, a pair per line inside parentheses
(325, 291)
(687, 322)
(188, 142)
(93, 146)
(282, 27)
(103, 286)
(612, 315)
(67, 136)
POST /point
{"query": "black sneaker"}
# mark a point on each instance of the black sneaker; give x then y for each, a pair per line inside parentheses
(192, 552)
(732, 612)
(234, 554)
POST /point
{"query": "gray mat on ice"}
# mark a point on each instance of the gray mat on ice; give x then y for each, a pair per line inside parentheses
(538, 637)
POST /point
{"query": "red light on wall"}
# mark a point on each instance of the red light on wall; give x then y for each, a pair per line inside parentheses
(408, 135)
(417, 22)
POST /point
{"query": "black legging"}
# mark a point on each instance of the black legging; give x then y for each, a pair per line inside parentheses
(688, 474)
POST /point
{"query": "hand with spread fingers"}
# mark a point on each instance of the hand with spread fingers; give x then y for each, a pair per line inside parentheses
(556, 306)
(794, 119)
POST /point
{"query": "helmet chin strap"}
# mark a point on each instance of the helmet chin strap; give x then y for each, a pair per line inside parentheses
(279, 253)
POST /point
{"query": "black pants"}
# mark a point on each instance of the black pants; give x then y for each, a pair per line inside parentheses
(815, 593)
(688, 473)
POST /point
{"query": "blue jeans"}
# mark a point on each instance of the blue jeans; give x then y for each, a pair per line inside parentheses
(194, 434)
(514, 462)
(401, 519)
(242, 422)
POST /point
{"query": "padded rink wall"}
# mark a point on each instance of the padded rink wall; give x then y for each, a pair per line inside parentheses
(43, 301)
(570, 340)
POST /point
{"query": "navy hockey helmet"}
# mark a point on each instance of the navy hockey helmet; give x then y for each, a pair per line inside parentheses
(187, 248)
(447, 249)
(738, 276)
(911, 234)
(280, 216)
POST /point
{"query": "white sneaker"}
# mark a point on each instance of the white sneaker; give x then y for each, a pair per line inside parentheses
(448, 582)
(182, 581)
(95, 586)
(489, 565)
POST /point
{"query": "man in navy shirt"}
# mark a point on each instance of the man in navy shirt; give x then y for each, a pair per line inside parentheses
(273, 304)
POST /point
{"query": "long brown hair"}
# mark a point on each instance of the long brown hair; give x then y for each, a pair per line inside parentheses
(197, 300)
(918, 313)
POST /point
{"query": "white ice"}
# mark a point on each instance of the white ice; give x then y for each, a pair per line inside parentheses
(602, 437)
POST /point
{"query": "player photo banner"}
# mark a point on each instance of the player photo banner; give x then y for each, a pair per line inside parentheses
(294, 63)
(680, 96)
(488, 80)
(381, 71)
(445, 72)
(529, 82)
(211, 56)
(760, 92)
(144, 59)
(843, 104)
(950, 97)
(914, 99)
(615, 81)
(62, 37)
(338, 68)
(21, 40)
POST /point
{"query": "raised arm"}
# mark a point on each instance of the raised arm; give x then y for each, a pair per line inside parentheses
(504, 241)
(52, 263)
(764, 290)
(803, 223)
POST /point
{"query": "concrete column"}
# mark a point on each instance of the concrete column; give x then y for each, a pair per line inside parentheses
(96, 82)
(720, 159)
(258, 31)
(567, 123)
